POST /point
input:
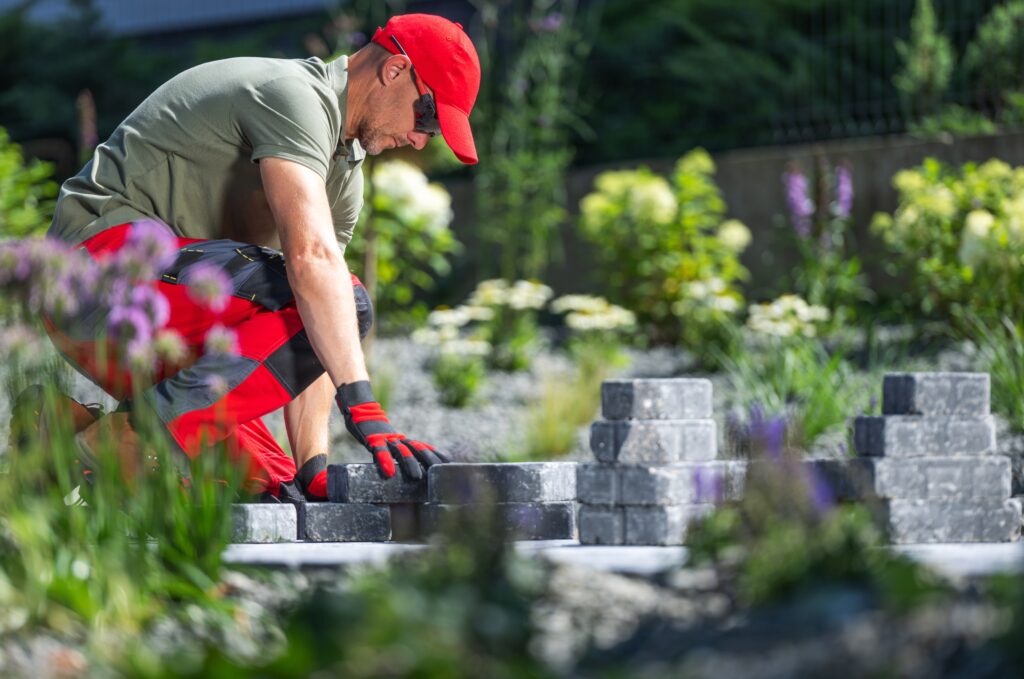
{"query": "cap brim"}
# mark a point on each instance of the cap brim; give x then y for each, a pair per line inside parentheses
(457, 133)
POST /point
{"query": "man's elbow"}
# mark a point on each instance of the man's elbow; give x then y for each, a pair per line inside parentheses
(314, 261)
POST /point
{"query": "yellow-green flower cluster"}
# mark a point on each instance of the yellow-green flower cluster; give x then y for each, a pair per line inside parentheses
(787, 316)
(638, 195)
(520, 295)
(590, 312)
(712, 293)
(734, 235)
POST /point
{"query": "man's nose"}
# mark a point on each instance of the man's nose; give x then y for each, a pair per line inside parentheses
(418, 139)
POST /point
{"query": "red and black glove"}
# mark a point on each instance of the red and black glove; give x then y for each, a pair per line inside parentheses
(368, 424)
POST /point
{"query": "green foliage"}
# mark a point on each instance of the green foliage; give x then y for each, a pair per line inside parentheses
(532, 54)
(960, 232)
(457, 377)
(928, 62)
(26, 192)
(666, 251)
(403, 233)
(1001, 350)
(797, 379)
(787, 535)
(993, 59)
(510, 327)
(953, 121)
(460, 609)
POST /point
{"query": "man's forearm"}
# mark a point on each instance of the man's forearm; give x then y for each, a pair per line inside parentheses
(322, 287)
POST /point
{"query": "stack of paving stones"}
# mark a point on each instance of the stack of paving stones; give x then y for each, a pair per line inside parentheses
(928, 464)
(530, 501)
(656, 470)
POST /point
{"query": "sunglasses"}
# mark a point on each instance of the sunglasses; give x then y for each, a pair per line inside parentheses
(424, 108)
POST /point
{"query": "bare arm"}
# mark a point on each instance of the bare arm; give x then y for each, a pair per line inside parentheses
(317, 272)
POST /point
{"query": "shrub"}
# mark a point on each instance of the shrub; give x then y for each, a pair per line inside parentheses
(961, 234)
(511, 327)
(993, 58)
(404, 233)
(928, 61)
(953, 121)
(667, 252)
(26, 192)
(1001, 354)
(457, 366)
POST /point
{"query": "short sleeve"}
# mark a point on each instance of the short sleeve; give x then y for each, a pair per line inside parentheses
(286, 118)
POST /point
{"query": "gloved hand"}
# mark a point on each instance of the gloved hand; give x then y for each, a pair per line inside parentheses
(369, 425)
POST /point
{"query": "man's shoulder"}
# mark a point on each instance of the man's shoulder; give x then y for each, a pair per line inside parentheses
(248, 73)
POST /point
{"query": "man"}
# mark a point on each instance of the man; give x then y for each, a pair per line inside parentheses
(239, 157)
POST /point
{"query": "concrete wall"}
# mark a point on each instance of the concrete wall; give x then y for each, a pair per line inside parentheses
(751, 181)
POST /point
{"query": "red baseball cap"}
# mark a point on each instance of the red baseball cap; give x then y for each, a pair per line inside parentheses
(446, 61)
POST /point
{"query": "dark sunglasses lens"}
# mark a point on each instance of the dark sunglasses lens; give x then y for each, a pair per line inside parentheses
(426, 116)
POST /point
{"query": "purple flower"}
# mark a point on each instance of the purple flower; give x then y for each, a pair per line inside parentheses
(709, 485)
(822, 497)
(217, 385)
(768, 432)
(152, 303)
(220, 340)
(549, 24)
(801, 207)
(128, 324)
(844, 192)
(208, 285)
(149, 249)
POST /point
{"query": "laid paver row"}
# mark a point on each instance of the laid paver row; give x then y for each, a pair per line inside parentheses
(928, 464)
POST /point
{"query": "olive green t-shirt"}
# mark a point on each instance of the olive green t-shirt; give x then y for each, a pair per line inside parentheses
(188, 154)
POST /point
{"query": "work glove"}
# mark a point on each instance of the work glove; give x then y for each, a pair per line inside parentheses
(368, 424)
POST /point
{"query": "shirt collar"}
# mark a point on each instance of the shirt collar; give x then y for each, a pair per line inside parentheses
(338, 73)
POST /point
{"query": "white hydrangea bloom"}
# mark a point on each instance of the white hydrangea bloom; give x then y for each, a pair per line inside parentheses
(734, 235)
(975, 240)
(457, 317)
(787, 316)
(466, 347)
(528, 295)
(726, 303)
(411, 196)
(492, 292)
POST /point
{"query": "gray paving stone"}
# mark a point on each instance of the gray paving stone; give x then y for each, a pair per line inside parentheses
(929, 521)
(681, 484)
(915, 436)
(597, 484)
(342, 522)
(602, 525)
(406, 522)
(654, 441)
(666, 525)
(360, 483)
(521, 520)
(502, 482)
(656, 399)
(922, 478)
(950, 394)
(261, 523)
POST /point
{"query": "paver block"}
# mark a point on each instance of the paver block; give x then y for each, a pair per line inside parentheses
(406, 522)
(654, 441)
(502, 482)
(922, 478)
(341, 522)
(602, 525)
(264, 523)
(521, 520)
(666, 525)
(682, 484)
(656, 399)
(360, 483)
(950, 394)
(597, 484)
(928, 521)
(914, 436)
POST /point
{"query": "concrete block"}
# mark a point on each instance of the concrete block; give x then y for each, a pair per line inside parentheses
(502, 482)
(928, 521)
(913, 436)
(264, 523)
(654, 441)
(682, 484)
(337, 522)
(360, 483)
(667, 525)
(520, 520)
(656, 399)
(597, 484)
(406, 522)
(602, 525)
(922, 478)
(947, 394)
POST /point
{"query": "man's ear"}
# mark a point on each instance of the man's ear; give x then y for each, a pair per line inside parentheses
(393, 68)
